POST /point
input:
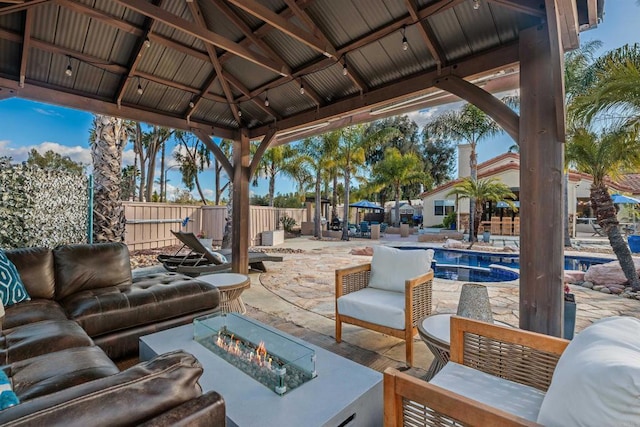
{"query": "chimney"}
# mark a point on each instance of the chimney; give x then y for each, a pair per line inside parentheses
(464, 167)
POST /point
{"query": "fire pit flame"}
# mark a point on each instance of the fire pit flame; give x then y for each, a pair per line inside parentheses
(259, 357)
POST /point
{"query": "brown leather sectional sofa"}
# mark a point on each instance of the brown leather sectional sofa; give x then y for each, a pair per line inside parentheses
(87, 312)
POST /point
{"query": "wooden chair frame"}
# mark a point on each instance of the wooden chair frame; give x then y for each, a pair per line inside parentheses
(418, 295)
(514, 354)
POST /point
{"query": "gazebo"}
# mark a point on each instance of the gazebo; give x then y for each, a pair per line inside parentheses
(278, 70)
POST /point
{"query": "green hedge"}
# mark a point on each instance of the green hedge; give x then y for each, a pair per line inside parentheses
(41, 207)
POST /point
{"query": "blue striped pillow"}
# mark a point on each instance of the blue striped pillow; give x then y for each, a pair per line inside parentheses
(7, 397)
(12, 289)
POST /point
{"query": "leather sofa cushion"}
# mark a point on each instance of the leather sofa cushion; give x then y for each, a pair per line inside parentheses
(129, 398)
(81, 267)
(35, 266)
(149, 300)
(49, 373)
(39, 338)
(32, 311)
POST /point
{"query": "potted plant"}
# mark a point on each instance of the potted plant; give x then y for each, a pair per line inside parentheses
(569, 312)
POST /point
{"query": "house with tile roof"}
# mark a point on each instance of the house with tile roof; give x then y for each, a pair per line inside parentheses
(506, 168)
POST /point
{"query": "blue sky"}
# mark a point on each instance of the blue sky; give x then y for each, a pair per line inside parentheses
(25, 125)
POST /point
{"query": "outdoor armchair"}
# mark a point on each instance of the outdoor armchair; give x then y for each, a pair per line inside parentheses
(389, 295)
(501, 376)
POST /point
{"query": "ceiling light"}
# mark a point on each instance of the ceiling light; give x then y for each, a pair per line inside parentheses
(301, 88)
(140, 91)
(191, 104)
(266, 99)
(344, 67)
(147, 42)
(405, 43)
(69, 70)
(476, 4)
(239, 113)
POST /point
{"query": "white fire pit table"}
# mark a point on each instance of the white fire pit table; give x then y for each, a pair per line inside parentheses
(231, 286)
(343, 393)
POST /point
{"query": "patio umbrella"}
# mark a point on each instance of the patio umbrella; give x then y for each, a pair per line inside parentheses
(624, 200)
(365, 204)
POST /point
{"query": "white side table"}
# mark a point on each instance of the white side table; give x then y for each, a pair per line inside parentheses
(435, 331)
(231, 286)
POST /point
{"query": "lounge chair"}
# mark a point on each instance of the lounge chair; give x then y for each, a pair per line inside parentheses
(597, 230)
(365, 231)
(203, 260)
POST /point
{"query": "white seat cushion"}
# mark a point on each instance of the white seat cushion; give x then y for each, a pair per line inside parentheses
(391, 267)
(597, 379)
(514, 398)
(377, 306)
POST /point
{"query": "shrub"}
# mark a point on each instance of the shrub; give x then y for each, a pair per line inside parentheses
(287, 223)
(449, 219)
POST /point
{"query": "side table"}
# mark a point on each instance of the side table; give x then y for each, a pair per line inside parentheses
(231, 286)
(435, 331)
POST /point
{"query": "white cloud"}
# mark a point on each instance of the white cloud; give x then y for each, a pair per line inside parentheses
(74, 152)
(47, 112)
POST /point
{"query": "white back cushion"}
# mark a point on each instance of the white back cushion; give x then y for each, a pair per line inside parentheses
(390, 267)
(597, 379)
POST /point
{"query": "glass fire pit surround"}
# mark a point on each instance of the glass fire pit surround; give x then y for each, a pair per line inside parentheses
(272, 359)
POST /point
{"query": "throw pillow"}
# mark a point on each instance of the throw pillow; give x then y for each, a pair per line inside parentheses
(7, 397)
(12, 289)
(597, 379)
(390, 267)
(218, 258)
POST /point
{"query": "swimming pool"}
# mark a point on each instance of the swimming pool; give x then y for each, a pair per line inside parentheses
(461, 265)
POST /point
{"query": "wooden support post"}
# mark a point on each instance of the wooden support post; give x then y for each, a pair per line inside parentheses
(240, 233)
(541, 175)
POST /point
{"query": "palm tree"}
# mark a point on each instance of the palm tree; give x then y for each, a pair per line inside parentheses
(274, 162)
(108, 137)
(607, 155)
(317, 154)
(194, 159)
(483, 190)
(396, 170)
(470, 125)
(225, 146)
(351, 156)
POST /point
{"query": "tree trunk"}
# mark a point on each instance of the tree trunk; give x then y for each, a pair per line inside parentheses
(272, 188)
(141, 157)
(334, 197)
(163, 190)
(396, 191)
(345, 222)
(228, 226)
(473, 165)
(106, 153)
(317, 222)
(565, 190)
(608, 220)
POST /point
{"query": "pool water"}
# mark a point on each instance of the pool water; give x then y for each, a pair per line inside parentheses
(475, 266)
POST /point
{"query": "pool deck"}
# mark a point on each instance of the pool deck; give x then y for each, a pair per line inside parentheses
(299, 293)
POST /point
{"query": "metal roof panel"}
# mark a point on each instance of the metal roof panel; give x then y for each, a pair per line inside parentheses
(9, 54)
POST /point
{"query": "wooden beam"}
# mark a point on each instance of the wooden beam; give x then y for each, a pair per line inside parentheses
(557, 64)
(247, 94)
(541, 196)
(567, 21)
(22, 6)
(492, 106)
(215, 149)
(592, 13)
(267, 15)
(179, 47)
(180, 24)
(500, 58)
(533, 8)
(200, 97)
(242, 26)
(111, 20)
(240, 215)
(37, 91)
(264, 144)
(426, 32)
(51, 48)
(6, 93)
(136, 57)
(213, 58)
(26, 42)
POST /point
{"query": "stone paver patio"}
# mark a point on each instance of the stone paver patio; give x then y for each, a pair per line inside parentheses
(301, 290)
